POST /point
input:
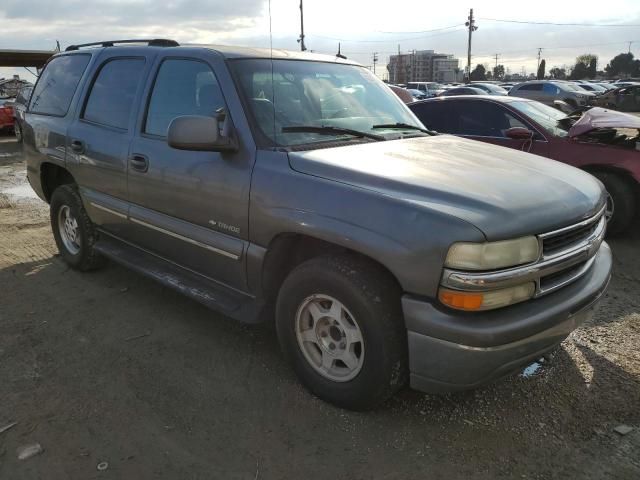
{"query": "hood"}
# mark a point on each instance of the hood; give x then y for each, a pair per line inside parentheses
(602, 118)
(503, 192)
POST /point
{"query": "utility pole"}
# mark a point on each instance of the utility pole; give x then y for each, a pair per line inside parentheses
(301, 39)
(539, 53)
(472, 28)
(375, 60)
(497, 55)
(630, 46)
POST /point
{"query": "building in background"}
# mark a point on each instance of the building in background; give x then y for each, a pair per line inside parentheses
(423, 66)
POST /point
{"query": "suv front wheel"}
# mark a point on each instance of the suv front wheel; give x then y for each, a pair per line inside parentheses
(339, 324)
(73, 231)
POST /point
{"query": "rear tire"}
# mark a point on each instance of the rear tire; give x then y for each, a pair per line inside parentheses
(323, 305)
(623, 196)
(73, 231)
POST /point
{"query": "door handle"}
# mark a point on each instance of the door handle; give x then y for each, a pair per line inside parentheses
(77, 146)
(139, 162)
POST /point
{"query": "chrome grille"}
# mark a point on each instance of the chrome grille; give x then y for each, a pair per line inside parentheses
(562, 241)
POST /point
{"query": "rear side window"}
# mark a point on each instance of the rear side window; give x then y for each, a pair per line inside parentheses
(182, 87)
(57, 84)
(113, 92)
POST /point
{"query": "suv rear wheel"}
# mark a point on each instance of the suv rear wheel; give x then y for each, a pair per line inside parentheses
(623, 197)
(340, 325)
(73, 231)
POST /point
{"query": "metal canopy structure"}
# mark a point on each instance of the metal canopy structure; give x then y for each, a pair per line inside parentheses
(24, 58)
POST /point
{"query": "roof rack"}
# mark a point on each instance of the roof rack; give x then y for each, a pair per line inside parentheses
(153, 42)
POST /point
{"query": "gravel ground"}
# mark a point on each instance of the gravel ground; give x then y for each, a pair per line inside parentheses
(111, 367)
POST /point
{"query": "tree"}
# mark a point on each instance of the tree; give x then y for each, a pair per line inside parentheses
(592, 69)
(478, 73)
(623, 65)
(558, 73)
(579, 71)
(585, 67)
(498, 72)
(541, 69)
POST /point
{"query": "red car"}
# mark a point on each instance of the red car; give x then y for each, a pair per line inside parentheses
(602, 142)
(6, 116)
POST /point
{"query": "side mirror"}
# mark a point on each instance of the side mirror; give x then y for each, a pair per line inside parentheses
(199, 133)
(518, 133)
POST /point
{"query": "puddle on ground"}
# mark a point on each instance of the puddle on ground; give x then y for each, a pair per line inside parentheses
(20, 191)
(534, 369)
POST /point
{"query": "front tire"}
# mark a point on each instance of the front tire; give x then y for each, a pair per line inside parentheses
(340, 325)
(73, 231)
(624, 200)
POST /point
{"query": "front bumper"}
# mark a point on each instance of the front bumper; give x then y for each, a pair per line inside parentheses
(451, 350)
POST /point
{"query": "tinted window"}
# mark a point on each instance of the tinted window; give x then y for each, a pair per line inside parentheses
(57, 84)
(531, 87)
(433, 115)
(182, 87)
(549, 88)
(483, 119)
(113, 92)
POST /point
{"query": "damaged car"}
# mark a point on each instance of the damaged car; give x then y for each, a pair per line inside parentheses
(600, 141)
(626, 99)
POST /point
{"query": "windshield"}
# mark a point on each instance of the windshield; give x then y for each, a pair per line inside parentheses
(547, 117)
(317, 94)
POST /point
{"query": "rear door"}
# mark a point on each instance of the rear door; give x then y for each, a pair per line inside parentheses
(190, 207)
(49, 113)
(99, 137)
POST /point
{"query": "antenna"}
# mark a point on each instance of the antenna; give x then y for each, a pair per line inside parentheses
(301, 39)
(339, 55)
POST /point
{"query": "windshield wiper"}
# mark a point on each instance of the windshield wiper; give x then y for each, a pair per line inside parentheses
(328, 130)
(404, 126)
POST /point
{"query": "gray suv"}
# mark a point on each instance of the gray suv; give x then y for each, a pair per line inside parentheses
(548, 92)
(295, 186)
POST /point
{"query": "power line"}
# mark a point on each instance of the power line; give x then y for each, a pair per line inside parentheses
(561, 24)
(428, 31)
(346, 40)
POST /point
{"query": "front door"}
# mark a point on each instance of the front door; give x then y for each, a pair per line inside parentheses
(488, 121)
(188, 207)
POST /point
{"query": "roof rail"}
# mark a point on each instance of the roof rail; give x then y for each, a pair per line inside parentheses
(153, 42)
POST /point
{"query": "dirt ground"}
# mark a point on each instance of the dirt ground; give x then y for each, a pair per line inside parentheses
(111, 367)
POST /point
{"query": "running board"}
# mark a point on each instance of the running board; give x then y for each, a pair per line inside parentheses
(201, 289)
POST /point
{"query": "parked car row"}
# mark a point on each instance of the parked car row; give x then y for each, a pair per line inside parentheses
(12, 111)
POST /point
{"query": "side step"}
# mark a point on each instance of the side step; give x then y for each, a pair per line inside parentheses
(201, 289)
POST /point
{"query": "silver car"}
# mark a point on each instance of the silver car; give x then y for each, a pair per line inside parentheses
(547, 92)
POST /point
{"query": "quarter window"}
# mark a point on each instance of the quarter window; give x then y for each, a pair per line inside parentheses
(113, 92)
(182, 87)
(57, 84)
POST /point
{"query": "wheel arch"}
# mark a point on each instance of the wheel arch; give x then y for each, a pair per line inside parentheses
(289, 249)
(52, 176)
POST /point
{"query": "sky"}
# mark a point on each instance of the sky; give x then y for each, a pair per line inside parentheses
(361, 26)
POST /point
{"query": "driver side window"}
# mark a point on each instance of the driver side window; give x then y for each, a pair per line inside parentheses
(182, 87)
(484, 119)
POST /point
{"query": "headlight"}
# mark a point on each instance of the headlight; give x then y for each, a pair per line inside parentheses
(493, 255)
(475, 301)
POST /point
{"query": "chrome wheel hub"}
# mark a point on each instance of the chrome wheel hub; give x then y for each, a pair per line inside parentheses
(330, 338)
(68, 229)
